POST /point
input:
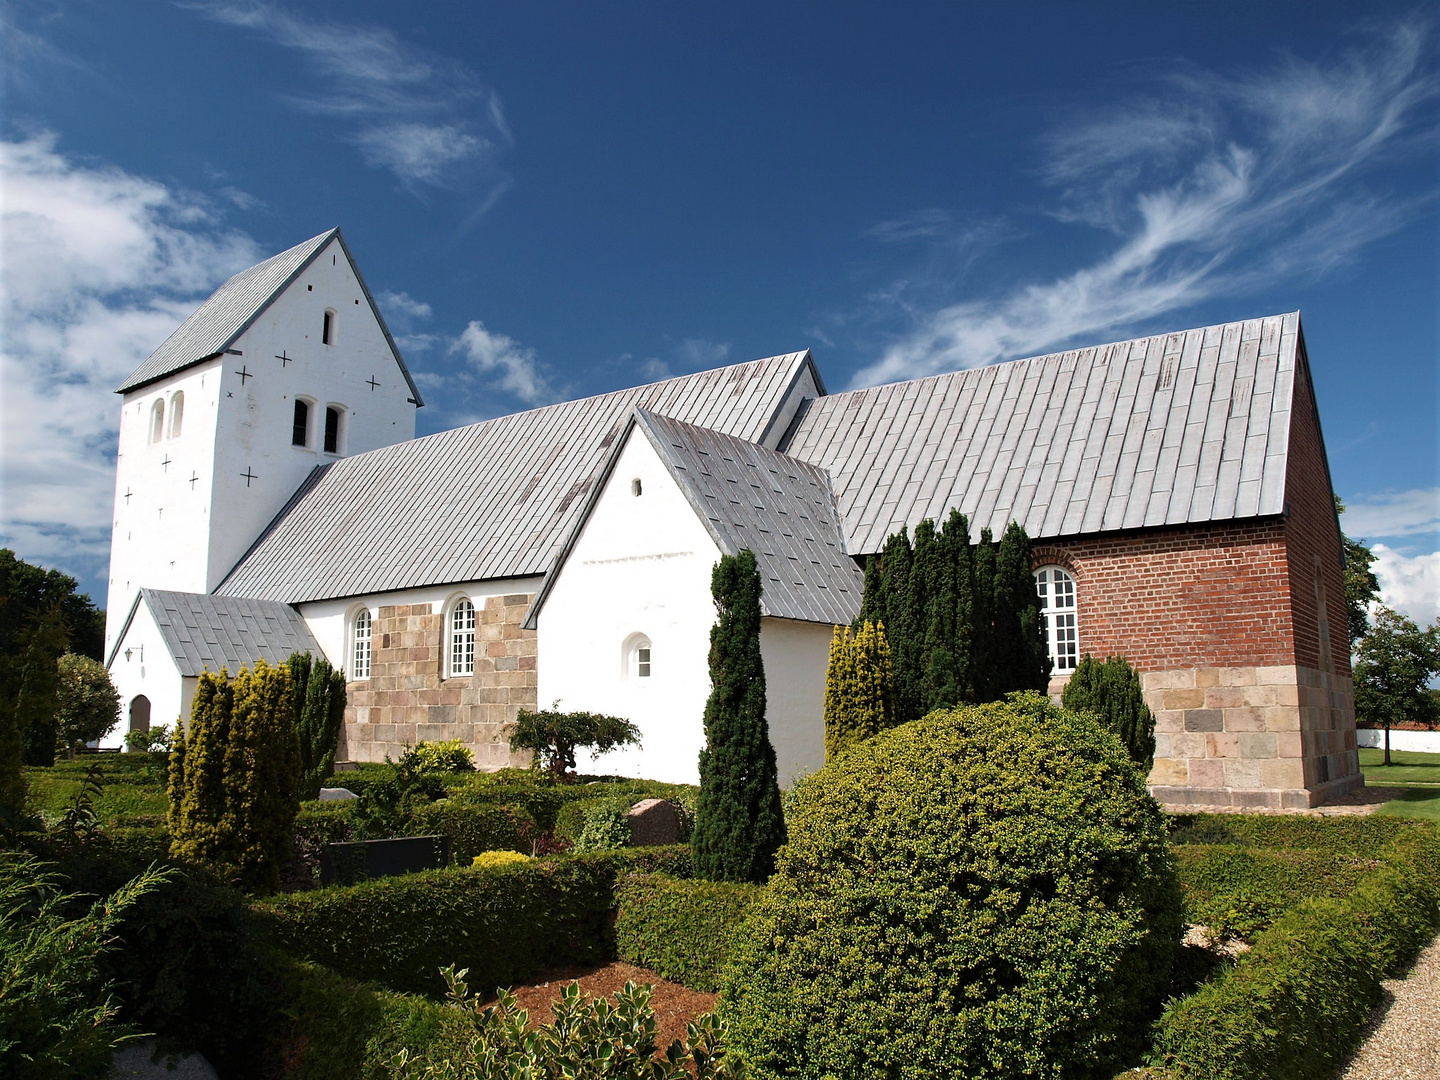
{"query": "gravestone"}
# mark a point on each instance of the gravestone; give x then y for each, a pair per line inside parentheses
(654, 822)
(347, 863)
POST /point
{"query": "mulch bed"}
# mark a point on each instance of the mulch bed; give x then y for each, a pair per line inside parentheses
(674, 1005)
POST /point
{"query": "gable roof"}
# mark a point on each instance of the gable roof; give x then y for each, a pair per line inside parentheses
(1171, 429)
(218, 323)
(491, 500)
(748, 496)
(205, 633)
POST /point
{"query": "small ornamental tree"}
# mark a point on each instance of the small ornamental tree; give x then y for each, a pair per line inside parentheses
(1393, 666)
(87, 704)
(319, 694)
(235, 776)
(554, 736)
(1111, 690)
(859, 687)
(739, 824)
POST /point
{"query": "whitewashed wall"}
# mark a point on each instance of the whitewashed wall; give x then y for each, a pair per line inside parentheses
(172, 534)
(149, 670)
(796, 655)
(1424, 742)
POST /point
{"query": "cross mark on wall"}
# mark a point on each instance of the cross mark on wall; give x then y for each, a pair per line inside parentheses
(244, 374)
(284, 357)
(373, 383)
(166, 463)
(193, 477)
(127, 496)
(248, 475)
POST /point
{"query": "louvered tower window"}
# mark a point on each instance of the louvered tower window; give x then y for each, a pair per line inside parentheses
(1056, 590)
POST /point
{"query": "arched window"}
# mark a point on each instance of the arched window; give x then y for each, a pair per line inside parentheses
(462, 638)
(327, 330)
(300, 433)
(177, 413)
(360, 645)
(332, 429)
(140, 713)
(1056, 590)
(637, 657)
(157, 420)
(635, 488)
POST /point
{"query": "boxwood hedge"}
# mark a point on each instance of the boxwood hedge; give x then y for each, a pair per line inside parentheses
(681, 930)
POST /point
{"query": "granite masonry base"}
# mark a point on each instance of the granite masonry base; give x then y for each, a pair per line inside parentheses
(1262, 737)
(407, 700)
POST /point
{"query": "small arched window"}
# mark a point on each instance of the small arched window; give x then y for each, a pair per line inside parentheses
(635, 488)
(140, 713)
(332, 429)
(327, 330)
(462, 638)
(360, 645)
(1056, 590)
(157, 420)
(638, 654)
(177, 413)
(300, 432)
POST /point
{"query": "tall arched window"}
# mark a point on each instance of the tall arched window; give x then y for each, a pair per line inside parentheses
(1056, 590)
(157, 420)
(332, 429)
(327, 330)
(300, 432)
(177, 413)
(462, 638)
(360, 645)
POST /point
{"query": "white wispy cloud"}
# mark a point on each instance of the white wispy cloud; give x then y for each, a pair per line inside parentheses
(402, 305)
(1393, 514)
(511, 367)
(427, 119)
(99, 267)
(697, 354)
(1409, 584)
(1209, 185)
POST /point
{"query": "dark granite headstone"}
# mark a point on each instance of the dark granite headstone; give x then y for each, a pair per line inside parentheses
(347, 863)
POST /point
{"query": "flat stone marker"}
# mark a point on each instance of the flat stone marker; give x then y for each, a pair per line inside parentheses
(653, 822)
(337, 794)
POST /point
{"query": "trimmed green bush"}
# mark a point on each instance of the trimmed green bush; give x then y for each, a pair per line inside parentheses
(681, 930)
(1240, 891)
(985, 892)
(607, 826)
(504, 923)
(1111, 690)
(1297, 1003)
(473, 828)
(1363, 837)
(319, 696)
(451, 755)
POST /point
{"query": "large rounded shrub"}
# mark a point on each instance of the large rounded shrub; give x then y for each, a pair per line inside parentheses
(984, 892)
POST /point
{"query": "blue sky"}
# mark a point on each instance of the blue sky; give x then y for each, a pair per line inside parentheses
(557, 200)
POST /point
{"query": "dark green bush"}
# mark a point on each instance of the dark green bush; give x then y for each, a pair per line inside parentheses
(681, 930)
(1239, 891)
(1297, 1003)
(474, 827)
(984, 892)
(504, 923)
(1363, 837)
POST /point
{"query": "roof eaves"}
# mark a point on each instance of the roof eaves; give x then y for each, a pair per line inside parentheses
(124, 629)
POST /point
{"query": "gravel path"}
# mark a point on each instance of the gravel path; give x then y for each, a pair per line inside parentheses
(1404, 1043)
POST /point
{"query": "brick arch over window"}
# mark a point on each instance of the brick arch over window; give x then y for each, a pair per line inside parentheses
(1046, 555)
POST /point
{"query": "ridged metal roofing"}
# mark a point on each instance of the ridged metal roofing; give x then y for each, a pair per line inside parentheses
(205, 632)
(780, 508)
(491, 500)
(1177, 428)
(217, 323)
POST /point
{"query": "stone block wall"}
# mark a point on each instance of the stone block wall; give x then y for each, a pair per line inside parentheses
(407, 700)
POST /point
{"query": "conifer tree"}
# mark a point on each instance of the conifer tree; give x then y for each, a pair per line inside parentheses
(947, 639)
(1112, 691)
(905, 625)
(235, 776)
(982, 600)
(1022, 660)
(319, 692)
(872, 599)
(859, 687)
(34, 684)
(738, 820)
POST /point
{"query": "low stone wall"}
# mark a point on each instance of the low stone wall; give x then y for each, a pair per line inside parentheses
(406, 700)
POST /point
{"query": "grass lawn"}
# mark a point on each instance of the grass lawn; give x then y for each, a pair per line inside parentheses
(1407, 767)
(1418, 802)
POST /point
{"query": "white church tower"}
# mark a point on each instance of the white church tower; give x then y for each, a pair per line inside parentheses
(289, 366)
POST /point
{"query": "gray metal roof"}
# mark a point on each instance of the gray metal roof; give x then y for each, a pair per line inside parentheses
(217, 323)
(206, 633)
(1171, 429)
(491, 500)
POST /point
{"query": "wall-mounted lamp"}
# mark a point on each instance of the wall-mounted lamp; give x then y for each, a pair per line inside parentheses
(140, 650)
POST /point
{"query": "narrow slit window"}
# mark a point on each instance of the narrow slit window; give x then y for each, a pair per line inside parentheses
(360, 653)
(157, 420)
(177, 413)
(300, 435)
(462, 639)
(332, 430)
(327, 331)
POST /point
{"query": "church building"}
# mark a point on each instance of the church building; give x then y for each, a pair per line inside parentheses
(1176, 488)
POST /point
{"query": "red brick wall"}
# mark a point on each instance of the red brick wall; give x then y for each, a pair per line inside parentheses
(1312, 536)
(1191, 596)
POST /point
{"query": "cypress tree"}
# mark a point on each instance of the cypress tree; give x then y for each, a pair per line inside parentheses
(1113, 692)
(958, 526)
(859, 687)
(319, 713)
(982, 599)
(872, 600)
(36, 684)
(839, 694)
(946, 640)
(738, 820)
(1022, 661)
(905, 625)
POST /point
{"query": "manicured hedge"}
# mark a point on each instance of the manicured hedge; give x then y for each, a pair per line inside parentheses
(1240, 891)
(1360, 836)
(681, 930)
(1296, 1004)
(474, 827)
(504, 923)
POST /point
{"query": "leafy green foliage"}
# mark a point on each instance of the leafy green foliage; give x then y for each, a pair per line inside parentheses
(319, 698)
(985, 892)
(554, 736)
(1362, 588)
(31, 688)
(473, 828)
(505, 923)
(859, 687)
(1111, 690)
(681, 930)
(588, 1040)
(57, 1011)
(235, 776)
(450, 755)
(157, 739)
(606, 828)
(28, 591)
(1394, 663)
(87, 706)
(1297, 1003)
(738, 821)
(1357, 837)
